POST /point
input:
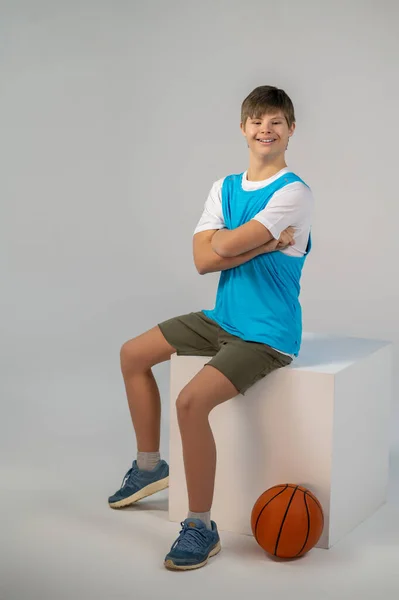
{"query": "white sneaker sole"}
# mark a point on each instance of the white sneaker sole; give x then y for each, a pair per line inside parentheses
(148, 490)
(169, 564)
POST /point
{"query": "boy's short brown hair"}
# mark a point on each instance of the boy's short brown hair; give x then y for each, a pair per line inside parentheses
(263, 100)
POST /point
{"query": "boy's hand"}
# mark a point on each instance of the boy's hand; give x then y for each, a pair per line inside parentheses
(286, 239)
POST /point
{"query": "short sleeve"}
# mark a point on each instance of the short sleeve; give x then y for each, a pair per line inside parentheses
(212, 216)
(289, 206)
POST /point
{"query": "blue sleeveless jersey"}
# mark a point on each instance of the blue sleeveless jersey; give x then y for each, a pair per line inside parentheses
(258, 301)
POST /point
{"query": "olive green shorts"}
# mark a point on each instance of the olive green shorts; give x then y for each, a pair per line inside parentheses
(242, 362)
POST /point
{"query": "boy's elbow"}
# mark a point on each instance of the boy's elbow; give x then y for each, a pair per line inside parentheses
(201, 270)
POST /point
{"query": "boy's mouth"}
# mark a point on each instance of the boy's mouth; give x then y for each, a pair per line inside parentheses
(266, 141)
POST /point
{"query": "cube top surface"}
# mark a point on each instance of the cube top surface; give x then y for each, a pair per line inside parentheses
(325, 353)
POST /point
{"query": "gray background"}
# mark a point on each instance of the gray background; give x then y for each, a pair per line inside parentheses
(116, 118)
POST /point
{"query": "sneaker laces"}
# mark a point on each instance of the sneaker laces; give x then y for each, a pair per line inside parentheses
(190, 538)
(131, 477)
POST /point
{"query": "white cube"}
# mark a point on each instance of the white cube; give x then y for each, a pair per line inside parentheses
(322, 422)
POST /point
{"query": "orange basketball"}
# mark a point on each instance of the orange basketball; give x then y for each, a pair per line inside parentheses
(287, 520)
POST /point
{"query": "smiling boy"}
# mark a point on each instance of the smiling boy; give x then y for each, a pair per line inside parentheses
(255, 230)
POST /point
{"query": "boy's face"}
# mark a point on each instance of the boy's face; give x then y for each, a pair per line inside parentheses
(272, 126)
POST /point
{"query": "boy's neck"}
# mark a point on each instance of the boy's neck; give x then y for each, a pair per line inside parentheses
(259, 170)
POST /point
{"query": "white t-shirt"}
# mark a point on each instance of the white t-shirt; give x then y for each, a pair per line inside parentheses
(291, 205)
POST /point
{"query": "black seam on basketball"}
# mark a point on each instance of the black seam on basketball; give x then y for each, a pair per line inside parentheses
(287, 485)
(307, 533)
(257, 520)
(319, 506)
(282, 522)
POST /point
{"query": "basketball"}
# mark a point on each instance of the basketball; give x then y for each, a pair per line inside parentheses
(287, 520)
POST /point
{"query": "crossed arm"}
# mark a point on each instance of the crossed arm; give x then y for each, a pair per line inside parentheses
(208, 260)
(233, 242)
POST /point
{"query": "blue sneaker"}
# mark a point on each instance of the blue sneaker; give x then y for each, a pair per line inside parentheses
(138, 484)
(195, 544)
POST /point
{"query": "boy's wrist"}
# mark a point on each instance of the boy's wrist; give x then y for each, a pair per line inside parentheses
(269, 246)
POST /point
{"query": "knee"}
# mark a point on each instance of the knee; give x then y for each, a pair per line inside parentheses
(128, 357)
(188, 406)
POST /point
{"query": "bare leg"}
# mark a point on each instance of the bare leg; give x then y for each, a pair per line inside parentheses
(205, 391)
(145, 409)
(199, 454)
(137, 357)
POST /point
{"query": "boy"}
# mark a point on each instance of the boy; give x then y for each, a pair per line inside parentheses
(246, 231)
